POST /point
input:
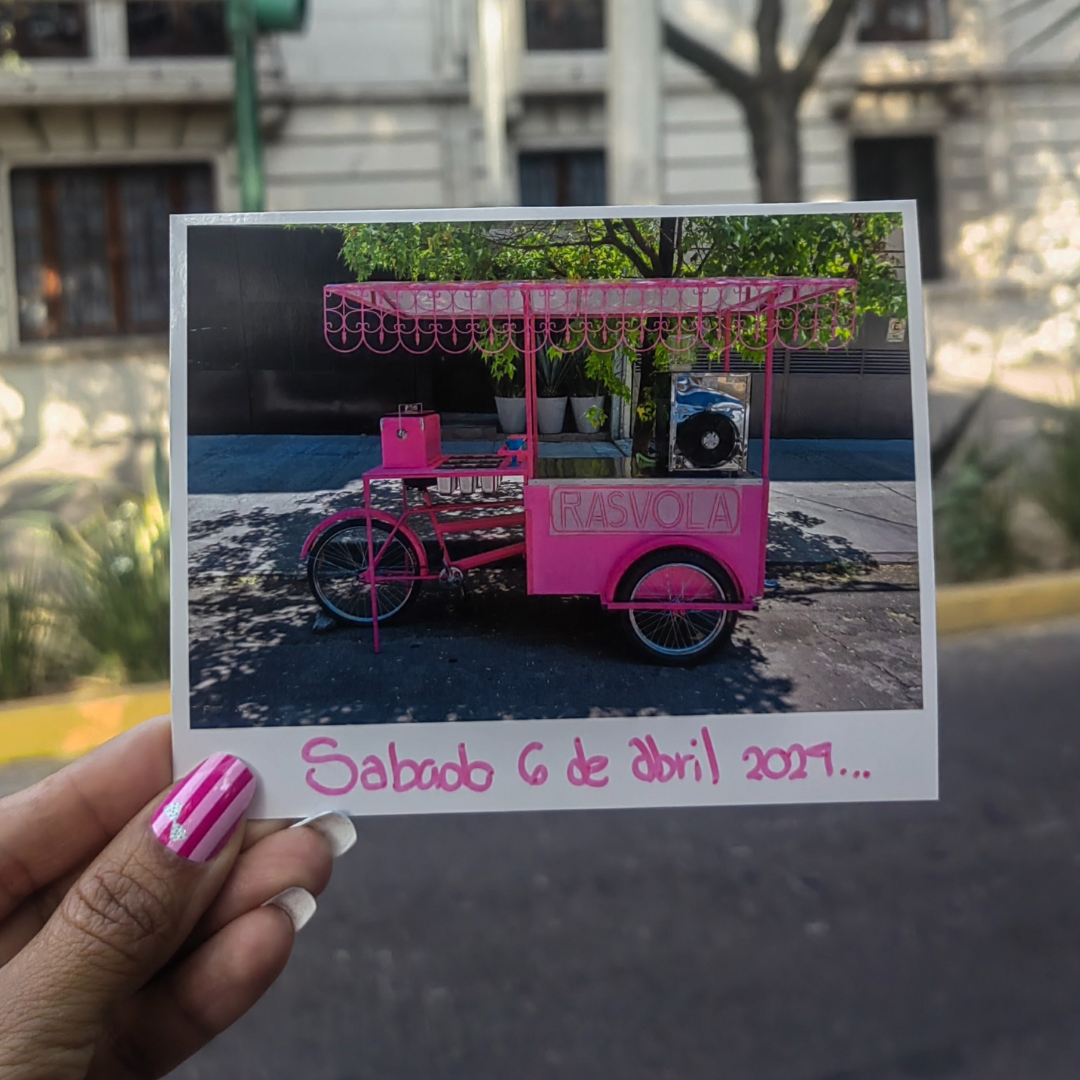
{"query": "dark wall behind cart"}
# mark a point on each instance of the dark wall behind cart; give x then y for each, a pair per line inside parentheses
(258, 362)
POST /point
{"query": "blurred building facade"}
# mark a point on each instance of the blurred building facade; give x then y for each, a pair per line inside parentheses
(114, 113)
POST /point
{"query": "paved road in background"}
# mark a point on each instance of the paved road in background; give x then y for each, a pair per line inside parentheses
(927, 941)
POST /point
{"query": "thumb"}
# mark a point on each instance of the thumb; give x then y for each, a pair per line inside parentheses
(123, 919)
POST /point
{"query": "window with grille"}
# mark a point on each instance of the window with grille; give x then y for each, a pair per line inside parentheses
(564, 24)
(563, 178)
(903, 20)
(41, 30)
(177, 28)
(92, 246)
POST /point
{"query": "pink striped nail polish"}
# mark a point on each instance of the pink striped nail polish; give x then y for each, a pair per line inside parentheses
(202, 811)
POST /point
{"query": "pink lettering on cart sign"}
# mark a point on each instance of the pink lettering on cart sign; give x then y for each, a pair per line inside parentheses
(643, 509)
(585, 771)
(312, 758)
(537, 775)
(618, 515)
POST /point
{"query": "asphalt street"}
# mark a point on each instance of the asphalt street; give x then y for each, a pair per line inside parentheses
(879, 942)
(823, 641)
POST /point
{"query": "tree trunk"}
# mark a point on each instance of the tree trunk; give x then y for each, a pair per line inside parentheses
(773, 121)
(663, 267)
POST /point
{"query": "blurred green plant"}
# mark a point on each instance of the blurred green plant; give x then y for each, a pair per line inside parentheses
(23, 634)
(971, 519)
(1059, 487)
(39, 649)
(118, 590)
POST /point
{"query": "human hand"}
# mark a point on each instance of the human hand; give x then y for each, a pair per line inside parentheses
(136, 925)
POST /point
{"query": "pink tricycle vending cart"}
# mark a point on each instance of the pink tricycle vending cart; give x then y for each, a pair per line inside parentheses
(675, 555)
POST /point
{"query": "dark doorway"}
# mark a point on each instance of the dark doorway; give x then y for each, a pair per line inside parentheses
(904, 168)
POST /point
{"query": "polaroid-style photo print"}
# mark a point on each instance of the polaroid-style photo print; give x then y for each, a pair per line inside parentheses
(540, 509)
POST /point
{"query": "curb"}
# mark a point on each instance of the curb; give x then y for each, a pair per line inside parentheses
(68, 725)
(1027, 599)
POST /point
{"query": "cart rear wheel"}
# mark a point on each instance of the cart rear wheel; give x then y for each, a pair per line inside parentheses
(338, 571)
(677, 575)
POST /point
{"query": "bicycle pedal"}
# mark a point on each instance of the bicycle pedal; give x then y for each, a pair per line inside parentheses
(450, 577)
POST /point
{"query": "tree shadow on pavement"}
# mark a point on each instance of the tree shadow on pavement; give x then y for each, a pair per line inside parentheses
(791, 541)
(495, 653)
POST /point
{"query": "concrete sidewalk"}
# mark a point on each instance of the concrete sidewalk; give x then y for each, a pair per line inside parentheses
(226, 464)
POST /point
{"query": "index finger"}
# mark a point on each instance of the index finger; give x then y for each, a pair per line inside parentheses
(60, 823)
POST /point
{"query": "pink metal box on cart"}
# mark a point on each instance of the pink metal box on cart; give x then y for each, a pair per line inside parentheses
(675, 556)
(410, 439)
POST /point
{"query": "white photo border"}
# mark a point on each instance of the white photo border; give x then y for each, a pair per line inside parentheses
(874, 756)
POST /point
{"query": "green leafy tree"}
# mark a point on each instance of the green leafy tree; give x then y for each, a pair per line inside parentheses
(809, 245)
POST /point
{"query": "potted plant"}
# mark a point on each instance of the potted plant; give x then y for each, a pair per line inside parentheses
(508, 381)
(553, 371)
(588, 391)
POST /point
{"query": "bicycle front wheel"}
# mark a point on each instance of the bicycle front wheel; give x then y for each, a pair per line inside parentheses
(338, 572)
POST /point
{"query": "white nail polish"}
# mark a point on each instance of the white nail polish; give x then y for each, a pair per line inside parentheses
(336, 827)
(297, 903)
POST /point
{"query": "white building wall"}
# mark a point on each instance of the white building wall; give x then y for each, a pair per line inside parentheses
(370, 108)
(377, 112)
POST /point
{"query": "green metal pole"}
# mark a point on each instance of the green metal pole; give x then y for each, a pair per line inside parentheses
(241, 14)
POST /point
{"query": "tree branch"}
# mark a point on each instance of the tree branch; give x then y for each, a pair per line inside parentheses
(649, 253)
(767, 26)
(619, 244)
(723, 72)
(823, 39)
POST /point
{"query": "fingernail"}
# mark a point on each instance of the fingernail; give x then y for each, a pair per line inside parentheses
(336, 827)
(297, 903)
(203, 810)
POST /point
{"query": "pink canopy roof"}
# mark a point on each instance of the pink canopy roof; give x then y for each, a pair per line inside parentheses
(458, 316)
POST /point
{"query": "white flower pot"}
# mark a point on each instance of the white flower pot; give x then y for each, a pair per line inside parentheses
(580, 407)
(550, 414)
(511, 414)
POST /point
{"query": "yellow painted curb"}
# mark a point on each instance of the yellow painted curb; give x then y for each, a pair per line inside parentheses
(1027, 599)
(68, 725)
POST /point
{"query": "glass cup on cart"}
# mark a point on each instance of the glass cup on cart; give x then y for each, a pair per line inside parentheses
(465, 485)
(488, 484)
(445, 485)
